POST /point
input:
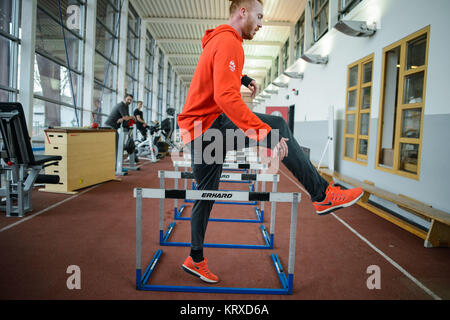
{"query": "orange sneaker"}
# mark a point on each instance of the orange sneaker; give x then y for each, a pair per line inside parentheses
(200, 270)
(336, 198)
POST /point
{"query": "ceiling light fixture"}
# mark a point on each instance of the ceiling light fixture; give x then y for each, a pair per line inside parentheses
(314, 58)
(355, 28)
(280, 84)
(294, 75)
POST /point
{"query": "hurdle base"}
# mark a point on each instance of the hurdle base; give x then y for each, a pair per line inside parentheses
(259, 214)
(268, 239)
(142, 280)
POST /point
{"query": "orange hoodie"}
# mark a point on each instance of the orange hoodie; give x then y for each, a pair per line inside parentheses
(215, 88)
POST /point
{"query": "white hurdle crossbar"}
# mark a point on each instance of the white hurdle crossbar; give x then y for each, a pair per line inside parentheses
(142, 278)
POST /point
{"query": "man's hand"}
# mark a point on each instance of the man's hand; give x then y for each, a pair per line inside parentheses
(253, 88)
(281, 149)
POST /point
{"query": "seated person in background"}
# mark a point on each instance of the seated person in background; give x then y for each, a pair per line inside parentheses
(141, 125)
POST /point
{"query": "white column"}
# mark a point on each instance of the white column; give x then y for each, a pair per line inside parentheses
(172, 90)
(155, 83)
(89, 61)
(142, 61)
(27, 57)
(164, 97)
(122, 66)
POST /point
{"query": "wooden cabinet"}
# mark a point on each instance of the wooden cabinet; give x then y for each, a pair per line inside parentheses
(88, 157)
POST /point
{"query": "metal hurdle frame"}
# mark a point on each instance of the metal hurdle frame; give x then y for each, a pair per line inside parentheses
(142, 279)
(164, 236)
(227, 166)
(226, 177)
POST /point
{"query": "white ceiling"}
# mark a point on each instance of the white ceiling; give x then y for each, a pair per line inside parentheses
(179, 25)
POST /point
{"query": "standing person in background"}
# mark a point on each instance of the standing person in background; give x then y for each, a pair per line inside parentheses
(141, 125)
(119, 114)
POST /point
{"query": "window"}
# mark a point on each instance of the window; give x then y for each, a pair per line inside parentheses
(132, 70)
(300, 37)
(148, 79)
(58, 74)
(285, 52)
(345, 6)
(9, 49)
(320, 18)
(275, 73)
(106, 57)
(357, 111)
(402, 105)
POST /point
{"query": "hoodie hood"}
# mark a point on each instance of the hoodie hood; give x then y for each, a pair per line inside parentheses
(211, 33)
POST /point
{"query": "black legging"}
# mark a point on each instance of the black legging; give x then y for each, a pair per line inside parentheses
(207, 174)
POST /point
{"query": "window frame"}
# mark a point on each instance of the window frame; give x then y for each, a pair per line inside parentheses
(359, 87)
(315, 28)
(300, 37)
(400, 107)
(12, 88)
(343, 11)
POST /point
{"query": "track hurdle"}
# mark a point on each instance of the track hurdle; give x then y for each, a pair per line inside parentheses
(226, 177)
(164, 236)
(142, 279)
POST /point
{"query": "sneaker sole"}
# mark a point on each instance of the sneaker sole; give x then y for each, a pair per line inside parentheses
(198, 275)
(332, 209)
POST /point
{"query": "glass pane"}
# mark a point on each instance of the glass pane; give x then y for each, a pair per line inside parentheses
(5, 96)
(104, 100)
(6, 16)
(364, 124)
(362, 149)
(416, 50)
(5, 61)
(105, 43)
(408, 157)
(387, 157)
(350, 124)
(365, 98)
(71, 13)
(106, 12)
(353, 77)
(68, 117)
(103, 71)
(411, 123)
(351, 100)
(413, 88)
(49, 39)
(52, 80)
(367, 72)
(349, 147)
(323, 20)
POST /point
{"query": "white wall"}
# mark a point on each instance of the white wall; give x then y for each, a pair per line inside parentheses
(325, 85)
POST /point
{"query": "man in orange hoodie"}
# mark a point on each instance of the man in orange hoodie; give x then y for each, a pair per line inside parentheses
(214, 104)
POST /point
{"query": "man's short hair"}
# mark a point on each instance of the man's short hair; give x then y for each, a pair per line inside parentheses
(237, 4)
(140, 102)
(128, 95)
